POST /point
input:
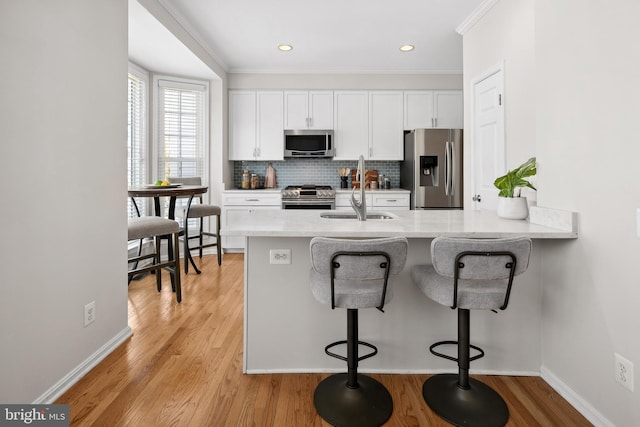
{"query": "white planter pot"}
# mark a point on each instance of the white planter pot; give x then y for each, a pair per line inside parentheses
(513, 207)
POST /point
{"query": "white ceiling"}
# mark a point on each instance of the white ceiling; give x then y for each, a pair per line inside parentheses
(328, 36)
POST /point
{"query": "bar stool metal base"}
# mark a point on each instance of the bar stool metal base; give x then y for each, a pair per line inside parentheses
(479, 406)
(368, 405)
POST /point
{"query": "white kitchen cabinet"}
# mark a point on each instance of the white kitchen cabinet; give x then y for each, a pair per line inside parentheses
(351, 124)
(390, 201)
(433, 109)
(242, 125)
(368, 123)
(418, 109)
(240, 206)
(256, 125)
(378, 200)
(386, 137)
(448, 107)
(308, 110)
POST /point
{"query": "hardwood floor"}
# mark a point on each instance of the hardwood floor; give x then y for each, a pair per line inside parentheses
(183, 367)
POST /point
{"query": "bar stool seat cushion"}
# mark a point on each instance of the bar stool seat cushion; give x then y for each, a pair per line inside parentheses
(472, 294)
(349, 293)
(483, 281)
(150, 226)
(199, 211)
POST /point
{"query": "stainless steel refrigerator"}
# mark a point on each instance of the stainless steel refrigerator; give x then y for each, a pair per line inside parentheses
(432, 168)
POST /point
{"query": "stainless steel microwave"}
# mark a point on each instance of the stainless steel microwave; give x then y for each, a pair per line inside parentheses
(308, 143)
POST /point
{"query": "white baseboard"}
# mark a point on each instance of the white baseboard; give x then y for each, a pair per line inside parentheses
(581, 405)
(50, 396)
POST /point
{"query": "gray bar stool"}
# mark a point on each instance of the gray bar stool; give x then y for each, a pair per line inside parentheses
(198, 211)
(469, 274)
(354, 274)
(155, 227)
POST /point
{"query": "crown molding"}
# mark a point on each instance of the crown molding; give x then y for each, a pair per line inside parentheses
(475, 16)
(180, 19)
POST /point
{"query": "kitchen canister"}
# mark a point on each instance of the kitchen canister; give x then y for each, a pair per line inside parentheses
(246, 180)
(270, 177)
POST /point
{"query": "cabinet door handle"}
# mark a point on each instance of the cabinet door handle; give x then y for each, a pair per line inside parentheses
(391, 200)
(251, 200)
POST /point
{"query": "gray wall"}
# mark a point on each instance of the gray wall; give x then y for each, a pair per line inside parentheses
(583, 84)
(63, 162)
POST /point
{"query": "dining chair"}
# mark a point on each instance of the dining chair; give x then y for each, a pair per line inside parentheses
(198, 211)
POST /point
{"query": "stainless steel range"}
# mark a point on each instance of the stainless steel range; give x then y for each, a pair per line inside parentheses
(308, 197)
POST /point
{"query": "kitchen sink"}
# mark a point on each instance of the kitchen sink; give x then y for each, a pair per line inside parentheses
(350, 215)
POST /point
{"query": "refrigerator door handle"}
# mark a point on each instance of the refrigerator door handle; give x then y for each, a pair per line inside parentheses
(447, 168)
(452, 160)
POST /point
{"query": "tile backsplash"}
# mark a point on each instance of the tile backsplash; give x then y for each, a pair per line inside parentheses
(312, 171)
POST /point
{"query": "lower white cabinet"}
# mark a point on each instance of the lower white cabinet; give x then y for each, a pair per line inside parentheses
(242, 206)
(379, 200)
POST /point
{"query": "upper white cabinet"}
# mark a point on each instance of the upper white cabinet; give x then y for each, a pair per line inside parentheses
(242, 125)
(433, 109)
(256, 125)
(448, 107)
(308, 110)
(386, 137)
(368, 123)
(351, 124)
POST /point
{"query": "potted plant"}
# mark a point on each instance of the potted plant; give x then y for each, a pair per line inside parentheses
(510, 204)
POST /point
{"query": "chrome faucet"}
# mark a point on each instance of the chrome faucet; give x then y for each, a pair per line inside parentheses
(360, 206)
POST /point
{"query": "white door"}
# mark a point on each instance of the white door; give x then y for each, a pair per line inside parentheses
(487, 111)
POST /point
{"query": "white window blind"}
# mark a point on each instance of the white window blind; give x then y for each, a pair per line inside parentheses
(181, 120)
(136, 139)
(182, 131)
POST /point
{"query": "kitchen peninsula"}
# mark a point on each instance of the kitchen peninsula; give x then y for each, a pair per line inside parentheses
(286, 329)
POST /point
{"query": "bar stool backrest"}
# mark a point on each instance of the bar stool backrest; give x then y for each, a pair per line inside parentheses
(478, 265)
(358, 268)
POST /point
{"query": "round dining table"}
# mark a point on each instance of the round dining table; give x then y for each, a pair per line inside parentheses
(173, 191)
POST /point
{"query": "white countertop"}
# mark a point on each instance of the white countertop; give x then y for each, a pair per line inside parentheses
(411, 224)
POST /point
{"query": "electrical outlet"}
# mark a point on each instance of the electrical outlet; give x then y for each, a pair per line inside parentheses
(624, 372)
(280, 256)
(89, 313)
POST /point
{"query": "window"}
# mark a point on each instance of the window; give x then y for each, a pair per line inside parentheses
(182, 123)
(181, 129)
(137, 146)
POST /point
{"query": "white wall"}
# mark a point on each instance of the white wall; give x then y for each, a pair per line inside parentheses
(583, 82)
(588, 136)
(63, 164)
(504, 35)
(344, 81)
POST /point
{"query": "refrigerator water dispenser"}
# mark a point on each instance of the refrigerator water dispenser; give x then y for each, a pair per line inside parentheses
(428, 171)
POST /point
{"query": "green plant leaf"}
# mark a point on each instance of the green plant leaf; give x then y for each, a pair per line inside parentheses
(508, 183)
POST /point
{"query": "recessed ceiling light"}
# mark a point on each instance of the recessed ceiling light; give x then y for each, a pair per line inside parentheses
(406, 48)
(285, 47)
